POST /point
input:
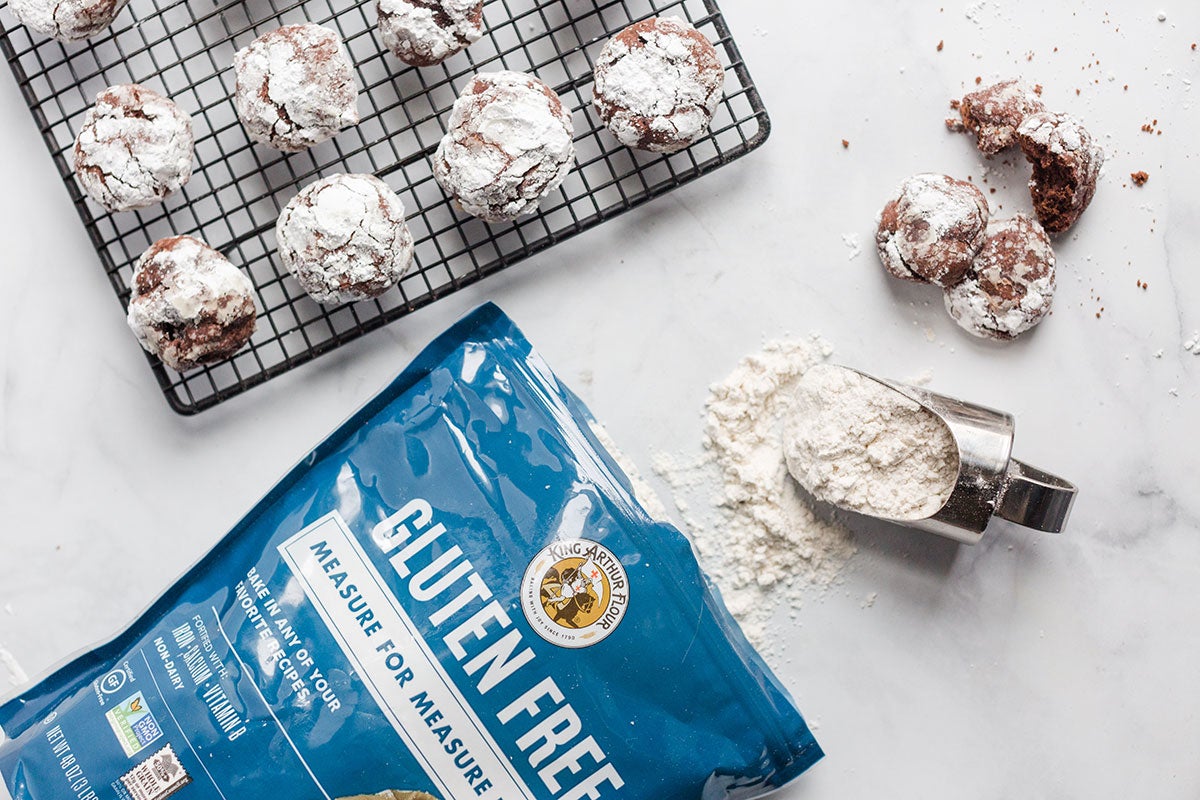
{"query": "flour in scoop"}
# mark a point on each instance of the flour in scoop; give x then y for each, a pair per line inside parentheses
(862, 446)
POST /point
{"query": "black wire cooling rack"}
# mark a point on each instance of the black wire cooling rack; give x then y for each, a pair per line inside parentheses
(184, 49)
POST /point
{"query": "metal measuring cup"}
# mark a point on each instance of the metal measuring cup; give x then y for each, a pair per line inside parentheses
(990, 481)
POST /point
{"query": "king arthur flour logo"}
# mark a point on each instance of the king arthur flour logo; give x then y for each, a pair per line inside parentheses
(575, 593)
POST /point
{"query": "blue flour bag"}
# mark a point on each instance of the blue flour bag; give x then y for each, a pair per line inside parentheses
(455, 593)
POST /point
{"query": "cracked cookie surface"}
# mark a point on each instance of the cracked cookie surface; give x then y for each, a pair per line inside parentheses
(657, 85)
(190, 306)
(295, 87)
(1066, 166)
(509, 144)
(345, 238)
(133, 149)
(66, 20)
(1011, 284)
(427, 32)
(932, 229)
(994, 113)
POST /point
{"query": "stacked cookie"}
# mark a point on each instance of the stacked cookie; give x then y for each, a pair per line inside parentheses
(509, 143)
(997, 275)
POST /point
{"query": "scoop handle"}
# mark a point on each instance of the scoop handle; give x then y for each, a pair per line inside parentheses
(1035, 499)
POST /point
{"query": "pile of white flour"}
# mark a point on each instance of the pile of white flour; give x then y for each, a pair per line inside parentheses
(757, 538)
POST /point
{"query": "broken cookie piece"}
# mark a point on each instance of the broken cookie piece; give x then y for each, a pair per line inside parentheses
(994, 113)
(932, 229)
(1066, 165)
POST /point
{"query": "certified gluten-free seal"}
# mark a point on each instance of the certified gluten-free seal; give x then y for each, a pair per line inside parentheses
(575, 592)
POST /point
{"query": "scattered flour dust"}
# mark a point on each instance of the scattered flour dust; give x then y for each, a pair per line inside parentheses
(757, 537)
(1192, 345)
(853, 248)
(644, 493)
(11, 673)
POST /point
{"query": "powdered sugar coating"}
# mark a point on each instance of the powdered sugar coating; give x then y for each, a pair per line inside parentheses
(190, 306)
(345, 238)
(508, 145)
(133, 149)
(427, 32)
(657, 84)
(865, 447)
(995, 112)
(66, 20)
(1066, 166)
(932, 230)
(1011, 285)
(295, 87)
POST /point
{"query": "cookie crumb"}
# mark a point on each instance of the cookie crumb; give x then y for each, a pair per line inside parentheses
(942, 43)
(978, 80)
(1140, 177)
(845, 143)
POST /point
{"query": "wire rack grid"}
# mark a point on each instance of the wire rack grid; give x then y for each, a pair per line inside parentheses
(184, 49)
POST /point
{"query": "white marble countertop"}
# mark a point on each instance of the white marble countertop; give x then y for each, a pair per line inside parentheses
(1027, 666)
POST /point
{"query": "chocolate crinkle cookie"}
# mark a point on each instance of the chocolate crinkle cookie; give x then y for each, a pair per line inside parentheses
(994, 113)
(133, 149)
(509, 144)
(190, 306)
(295, 87)
(657, 85)
(1066, 165)
(1011, 285)
(427, 32)
(66, 20)
(344, 238)
(932, 229)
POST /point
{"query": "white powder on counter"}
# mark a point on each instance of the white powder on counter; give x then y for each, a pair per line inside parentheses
(757, 538)
(642, 491)
(863, 446)
(11, 671)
